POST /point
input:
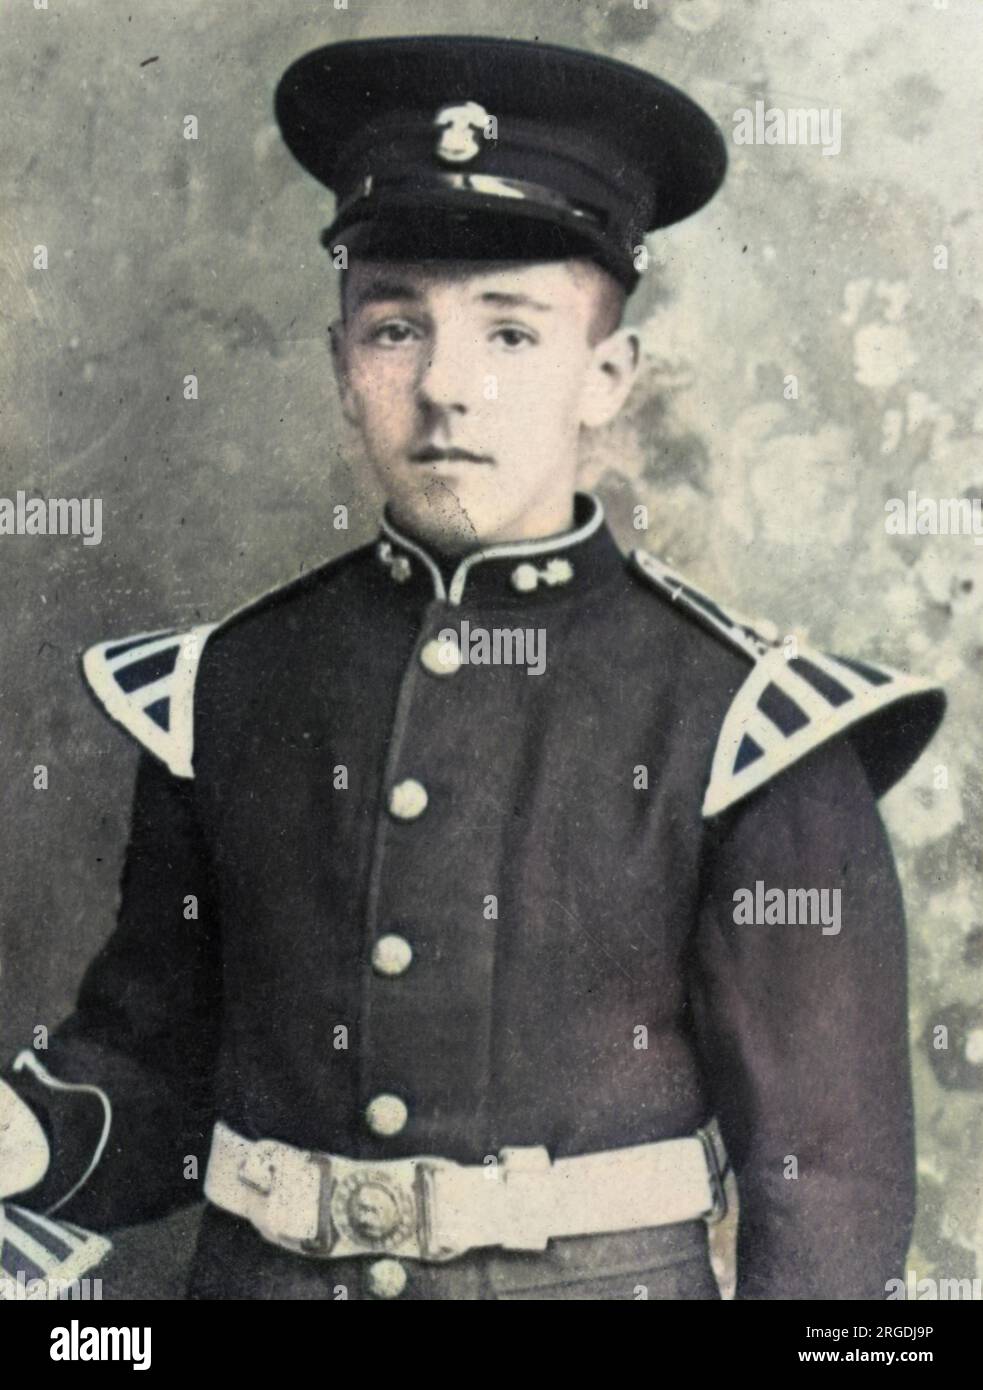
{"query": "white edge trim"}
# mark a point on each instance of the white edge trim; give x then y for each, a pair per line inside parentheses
(517, 549)
(27, 1061)
(394, 535)
(507, 550)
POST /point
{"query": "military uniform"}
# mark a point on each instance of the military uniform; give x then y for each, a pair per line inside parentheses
(381, 902)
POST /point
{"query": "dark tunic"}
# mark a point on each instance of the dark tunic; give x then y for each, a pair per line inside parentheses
(578, 979)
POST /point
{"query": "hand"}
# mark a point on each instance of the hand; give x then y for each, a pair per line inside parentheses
(24, 1152)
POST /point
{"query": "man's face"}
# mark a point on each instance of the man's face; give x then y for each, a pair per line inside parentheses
(470, 384)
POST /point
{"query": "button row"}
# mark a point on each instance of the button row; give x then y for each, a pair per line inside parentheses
(408, 799)
(440, 658)
(386, 1278)
(386, 1115)
(391, 955)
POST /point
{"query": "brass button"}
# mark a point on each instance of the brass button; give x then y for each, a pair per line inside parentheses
(525, 578)
(391, 955)
(386, 1115)
(386, 1278)
(408, 799)
(440, 658)
(558, 571)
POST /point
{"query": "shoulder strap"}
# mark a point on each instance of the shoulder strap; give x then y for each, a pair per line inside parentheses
(733, 627)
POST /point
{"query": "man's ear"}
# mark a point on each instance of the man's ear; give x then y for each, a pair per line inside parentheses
(610, 377)
(339, 361)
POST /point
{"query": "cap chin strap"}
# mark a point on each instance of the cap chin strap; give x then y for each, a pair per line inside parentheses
(490, 185)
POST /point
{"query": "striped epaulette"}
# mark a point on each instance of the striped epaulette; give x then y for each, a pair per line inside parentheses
(147, 683)
(795, 698)
(42, 1259)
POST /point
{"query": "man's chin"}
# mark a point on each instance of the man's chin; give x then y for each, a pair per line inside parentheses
(443, 510)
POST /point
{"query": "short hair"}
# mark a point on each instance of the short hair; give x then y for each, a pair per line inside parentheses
(610, 297)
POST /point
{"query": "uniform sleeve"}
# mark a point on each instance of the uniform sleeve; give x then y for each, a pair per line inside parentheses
(803, 1032)
(124, 1089)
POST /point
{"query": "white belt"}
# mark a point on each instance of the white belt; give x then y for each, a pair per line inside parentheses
(433, 1209)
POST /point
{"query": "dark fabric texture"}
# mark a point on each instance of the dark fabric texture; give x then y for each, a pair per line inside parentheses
(233, 1262)
(614, 914)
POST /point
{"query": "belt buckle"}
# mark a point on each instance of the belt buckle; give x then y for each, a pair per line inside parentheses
(718, 1193)
(425, 1177)
(367, 1208)
(321, 1244)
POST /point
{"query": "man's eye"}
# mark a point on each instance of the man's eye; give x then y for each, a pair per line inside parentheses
(511, 337)
(393, 333)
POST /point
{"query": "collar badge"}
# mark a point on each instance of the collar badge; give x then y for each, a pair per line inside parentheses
(526, 577)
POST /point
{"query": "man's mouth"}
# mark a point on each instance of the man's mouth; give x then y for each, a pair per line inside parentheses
(434, 453)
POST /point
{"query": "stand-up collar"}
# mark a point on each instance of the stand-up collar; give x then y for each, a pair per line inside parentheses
(511, 572)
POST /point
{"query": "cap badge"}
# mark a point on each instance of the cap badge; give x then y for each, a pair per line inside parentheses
(459, 125)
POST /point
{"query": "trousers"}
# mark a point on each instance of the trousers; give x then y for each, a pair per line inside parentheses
(232, 1261)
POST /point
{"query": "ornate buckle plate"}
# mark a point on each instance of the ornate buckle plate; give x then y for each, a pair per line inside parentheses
(374, 1209)
(367, 1208)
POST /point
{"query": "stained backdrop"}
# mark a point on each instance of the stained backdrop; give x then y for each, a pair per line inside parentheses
(811, 351)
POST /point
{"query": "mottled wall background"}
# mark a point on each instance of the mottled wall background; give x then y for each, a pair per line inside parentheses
(168, 256)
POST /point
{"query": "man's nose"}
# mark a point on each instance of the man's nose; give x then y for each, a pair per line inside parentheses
(447, 378)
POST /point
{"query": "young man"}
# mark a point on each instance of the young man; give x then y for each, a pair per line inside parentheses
(434, 948)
